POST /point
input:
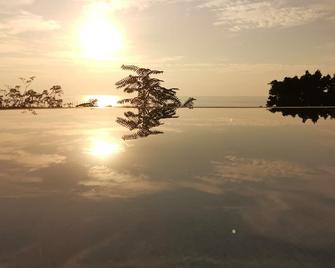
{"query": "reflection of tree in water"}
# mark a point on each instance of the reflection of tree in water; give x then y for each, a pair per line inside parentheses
(153, 102)
(144, 120)
(306, 114)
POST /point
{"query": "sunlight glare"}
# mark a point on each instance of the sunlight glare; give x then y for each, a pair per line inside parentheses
(99, 38)
(105, 100)
(104, 148)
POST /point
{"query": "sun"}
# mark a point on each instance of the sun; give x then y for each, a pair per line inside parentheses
(99, 38)
(104, 100)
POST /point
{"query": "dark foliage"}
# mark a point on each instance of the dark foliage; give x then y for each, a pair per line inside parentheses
(308, 90)
(24, 97)
(152, 101)
(142, 121)
(148, 89)
(306, 114)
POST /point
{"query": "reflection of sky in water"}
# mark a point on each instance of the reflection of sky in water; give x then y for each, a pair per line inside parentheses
(73, 194)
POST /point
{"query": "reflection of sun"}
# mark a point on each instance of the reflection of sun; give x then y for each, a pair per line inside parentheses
(104, 148)
(99, 38)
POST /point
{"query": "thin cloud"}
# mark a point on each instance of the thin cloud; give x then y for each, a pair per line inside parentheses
(30, 160)
(251, 14)
(26, 22)
(237, 15)
(233, 169)
(105, 182)
(15, 3)
(116, 5)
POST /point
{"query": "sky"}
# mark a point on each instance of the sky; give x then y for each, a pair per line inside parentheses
(205, 47)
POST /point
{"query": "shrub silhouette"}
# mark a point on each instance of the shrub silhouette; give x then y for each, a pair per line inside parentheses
(308, 90)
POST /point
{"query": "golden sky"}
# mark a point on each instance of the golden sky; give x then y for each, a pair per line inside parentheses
(206, 47)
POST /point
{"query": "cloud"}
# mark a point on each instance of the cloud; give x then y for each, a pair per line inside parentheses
(106, 182)
(15, 19)
(15, 3)
(116, 5)
(251, 14)
(122, 4)
(234, 169)
(242, 169)
(238, 15)
(29, 160)
(26, 22)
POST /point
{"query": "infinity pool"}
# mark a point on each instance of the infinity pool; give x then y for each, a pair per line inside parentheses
(220, 188)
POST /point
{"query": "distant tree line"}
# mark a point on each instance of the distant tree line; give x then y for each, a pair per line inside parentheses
(24, 97)
(307, 90)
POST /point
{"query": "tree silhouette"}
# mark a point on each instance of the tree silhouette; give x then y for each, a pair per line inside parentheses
(24, 97)
(144, 120)
(149, 91)
(152, 101)
(308, 90)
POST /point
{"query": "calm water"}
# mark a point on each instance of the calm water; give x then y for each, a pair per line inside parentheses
(221, 188)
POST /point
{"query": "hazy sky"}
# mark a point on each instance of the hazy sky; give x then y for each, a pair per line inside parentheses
(206, 47)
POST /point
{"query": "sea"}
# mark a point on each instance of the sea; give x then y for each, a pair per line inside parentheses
(201, 101)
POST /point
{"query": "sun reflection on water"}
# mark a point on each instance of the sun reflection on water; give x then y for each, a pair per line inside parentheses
(104, 148)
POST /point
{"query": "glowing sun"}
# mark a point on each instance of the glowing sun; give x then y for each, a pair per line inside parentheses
(104, 100)
(99, 38)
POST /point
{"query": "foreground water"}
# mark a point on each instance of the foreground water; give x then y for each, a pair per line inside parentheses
(221, 188)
